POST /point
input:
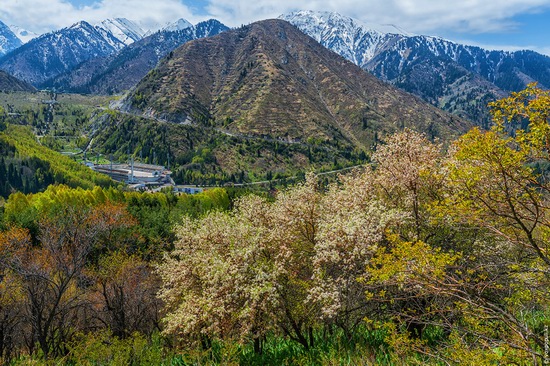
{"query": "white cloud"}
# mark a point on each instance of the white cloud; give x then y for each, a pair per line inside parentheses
(419, 16)
(46, 15)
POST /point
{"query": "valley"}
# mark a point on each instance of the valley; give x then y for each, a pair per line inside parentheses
(226, 125)
(304, 190)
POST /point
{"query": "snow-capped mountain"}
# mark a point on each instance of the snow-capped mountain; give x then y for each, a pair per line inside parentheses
(8, 40)
(124, 69)
(178, 25)
(123, 29)
(23, 34)
(456, 77)
(356, 41)
(54, 53)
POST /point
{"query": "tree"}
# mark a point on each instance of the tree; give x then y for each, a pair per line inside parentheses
(53, 273)
(220, 281)
(352, 226)
(526, 115)
(50, 276)
(407, 174)
(496, 289)
(288, 267)
(124, 297)
(11, 293)
(493, 186)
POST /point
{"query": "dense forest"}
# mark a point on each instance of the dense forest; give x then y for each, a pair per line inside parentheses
(434, 254)
(29, 167)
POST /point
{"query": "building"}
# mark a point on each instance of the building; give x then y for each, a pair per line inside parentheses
(188, 189)
(135, 173)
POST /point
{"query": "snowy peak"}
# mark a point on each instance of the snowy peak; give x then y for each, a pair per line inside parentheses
(325, 18)
(23, 34)
(356, 41)
(8, 40)
(178, 25)
(123, 29)
(441, 72)
(54, 53)
(207, 28)
(124, 69)
(96, 35)
(80, 25)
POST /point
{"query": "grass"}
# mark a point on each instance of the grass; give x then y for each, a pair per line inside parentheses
(365, 348)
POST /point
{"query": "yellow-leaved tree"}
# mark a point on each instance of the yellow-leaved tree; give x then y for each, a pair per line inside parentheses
(447, 252)
(495, 187)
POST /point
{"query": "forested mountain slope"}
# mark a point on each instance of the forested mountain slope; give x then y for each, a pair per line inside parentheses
(269, 79)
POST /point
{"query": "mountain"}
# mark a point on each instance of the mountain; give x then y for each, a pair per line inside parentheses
(180, 24)
(23, 34)
(123, 29)
(8, 40)
(9, 83)
(458, 78)
(123, 70)
(54, 53)
(270, 80)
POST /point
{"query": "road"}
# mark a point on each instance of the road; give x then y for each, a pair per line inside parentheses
(288, 178)
(232, 134)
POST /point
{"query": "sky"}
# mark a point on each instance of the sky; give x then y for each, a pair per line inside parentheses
(493, 24)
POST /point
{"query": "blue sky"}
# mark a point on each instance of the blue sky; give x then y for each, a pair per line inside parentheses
(528, 31)
(495, 24)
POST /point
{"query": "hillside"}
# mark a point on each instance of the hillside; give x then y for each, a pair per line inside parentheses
(9, 83)
(270, 80)
(29, 167)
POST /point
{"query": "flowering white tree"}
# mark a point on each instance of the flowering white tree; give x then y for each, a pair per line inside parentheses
(351, 228)
(287, 266)
(409, 178)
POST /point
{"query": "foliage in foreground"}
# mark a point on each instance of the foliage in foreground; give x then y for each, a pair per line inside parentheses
(366, 348)
(76, 262)
(429, 257)
(456, 241)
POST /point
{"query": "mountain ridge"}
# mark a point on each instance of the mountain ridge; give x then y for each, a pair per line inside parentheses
(9, 83)
(121, 71)
(268, 78)
(8, 40)
(123, 29)
(447, 74)
(54, 53)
